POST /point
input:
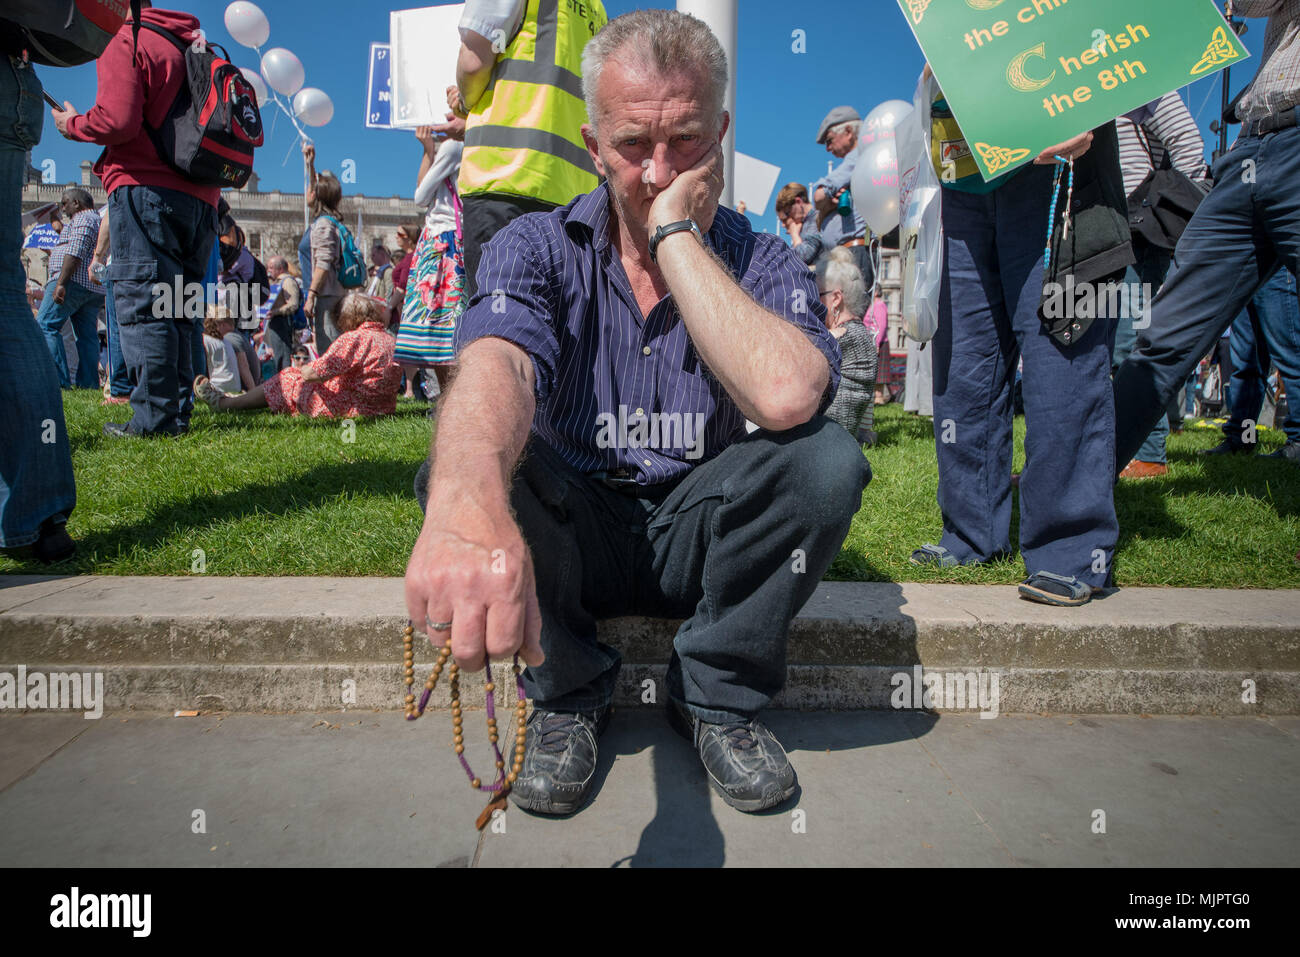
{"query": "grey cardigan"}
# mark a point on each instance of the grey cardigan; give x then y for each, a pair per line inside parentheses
(854, 403)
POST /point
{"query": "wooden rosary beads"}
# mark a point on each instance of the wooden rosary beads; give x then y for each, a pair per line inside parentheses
(501, 786)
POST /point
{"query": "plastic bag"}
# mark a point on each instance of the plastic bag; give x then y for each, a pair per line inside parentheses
(921, 228)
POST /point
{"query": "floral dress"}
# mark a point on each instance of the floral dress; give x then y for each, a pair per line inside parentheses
(359, 376)
(434, 296)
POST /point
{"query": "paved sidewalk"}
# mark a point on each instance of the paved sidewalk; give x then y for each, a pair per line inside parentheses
(878, 788)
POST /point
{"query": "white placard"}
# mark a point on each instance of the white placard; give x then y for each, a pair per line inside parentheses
(754, 182)
(426, 44)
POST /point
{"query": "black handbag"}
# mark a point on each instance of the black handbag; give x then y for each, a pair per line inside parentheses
(1162, 206)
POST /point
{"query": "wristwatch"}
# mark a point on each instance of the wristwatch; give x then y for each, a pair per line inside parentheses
(677, 227)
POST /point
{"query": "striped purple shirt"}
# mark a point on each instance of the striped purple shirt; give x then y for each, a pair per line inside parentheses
(615, 394)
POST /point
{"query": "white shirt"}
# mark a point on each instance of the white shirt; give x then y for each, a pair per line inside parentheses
(223, 368)
(434, 193)
(486, 17)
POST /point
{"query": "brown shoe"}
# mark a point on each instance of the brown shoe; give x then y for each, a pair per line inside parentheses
(1144, 470)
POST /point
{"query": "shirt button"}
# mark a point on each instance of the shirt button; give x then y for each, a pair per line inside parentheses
(640, 411)
(646, 461)
(646, 350)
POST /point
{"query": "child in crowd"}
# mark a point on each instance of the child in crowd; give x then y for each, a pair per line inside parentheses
(223, 367)
(355, 377)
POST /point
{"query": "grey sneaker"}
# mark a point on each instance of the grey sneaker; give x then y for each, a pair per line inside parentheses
(746, 764)
(559, 760)
(1287, 453)
(1229, 447)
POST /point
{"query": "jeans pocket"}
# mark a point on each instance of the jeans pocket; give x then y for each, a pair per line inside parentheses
(20, 84)
(134, 294)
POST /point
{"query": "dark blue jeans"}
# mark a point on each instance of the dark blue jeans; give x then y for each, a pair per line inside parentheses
(1245, 230)
(80, 306)
(36, 483)
(1266, 334)
(736, 548)
(988, 320)
(159, 236)
(1141, 282)
(119, 383)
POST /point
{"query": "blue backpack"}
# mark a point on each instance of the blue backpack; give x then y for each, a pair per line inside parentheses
(352, 266)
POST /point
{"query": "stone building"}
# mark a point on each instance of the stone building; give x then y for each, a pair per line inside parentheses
(272, 222)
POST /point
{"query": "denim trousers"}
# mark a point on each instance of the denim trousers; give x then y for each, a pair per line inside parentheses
(1141, 282)
(81, 306)
(988, 320)
(1266, 334)
(1247, 228)
(159, 236)
(36, 483)
(119, 383)
(279, 337)
(736, 548)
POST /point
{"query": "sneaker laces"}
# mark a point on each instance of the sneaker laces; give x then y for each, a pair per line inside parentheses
(740, 736)
(553, 732)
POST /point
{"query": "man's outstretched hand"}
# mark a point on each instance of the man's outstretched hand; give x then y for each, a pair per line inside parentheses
(478, 575)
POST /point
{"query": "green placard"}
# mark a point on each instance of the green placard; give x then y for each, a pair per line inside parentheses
(1024, 75)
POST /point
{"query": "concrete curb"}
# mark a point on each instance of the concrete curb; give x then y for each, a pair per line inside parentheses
(280, 644)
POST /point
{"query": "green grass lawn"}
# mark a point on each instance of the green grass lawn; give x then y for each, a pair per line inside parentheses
(263, 494)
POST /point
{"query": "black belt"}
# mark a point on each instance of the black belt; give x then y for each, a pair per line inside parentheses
(621, 481)
(1271, 124)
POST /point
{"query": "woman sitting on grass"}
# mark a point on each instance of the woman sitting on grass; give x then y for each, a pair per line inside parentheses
(355, 377)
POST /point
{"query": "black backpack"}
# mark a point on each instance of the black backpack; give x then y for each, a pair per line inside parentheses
(210, 132)
(62, 32)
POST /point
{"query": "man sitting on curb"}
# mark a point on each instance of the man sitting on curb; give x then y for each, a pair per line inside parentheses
(617, 345)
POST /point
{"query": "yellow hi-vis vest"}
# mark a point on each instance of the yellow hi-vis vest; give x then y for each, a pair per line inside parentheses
(523, 136)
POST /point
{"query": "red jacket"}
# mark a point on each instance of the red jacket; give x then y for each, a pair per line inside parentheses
(131, 92)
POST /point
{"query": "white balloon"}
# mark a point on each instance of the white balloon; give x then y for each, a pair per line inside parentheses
(255, 80)
(283, 71)
(875, 185)
(247, 23)
(880, 122)
(314, 107)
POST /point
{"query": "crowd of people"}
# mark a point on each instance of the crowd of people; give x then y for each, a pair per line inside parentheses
(605, 448)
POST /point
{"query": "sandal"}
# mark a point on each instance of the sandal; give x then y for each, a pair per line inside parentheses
(208, 392)
(1049, 589)
(929, 554)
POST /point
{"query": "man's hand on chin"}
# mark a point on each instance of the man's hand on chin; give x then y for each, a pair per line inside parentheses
(693, 194)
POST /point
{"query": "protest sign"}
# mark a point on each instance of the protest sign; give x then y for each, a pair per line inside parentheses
(1024, 75)
(425, 46)
(379, 88)
(754, 181)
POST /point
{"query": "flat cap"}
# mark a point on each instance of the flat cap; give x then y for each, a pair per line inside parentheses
(841, 114)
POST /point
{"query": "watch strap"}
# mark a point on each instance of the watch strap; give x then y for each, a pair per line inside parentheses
(681, 226)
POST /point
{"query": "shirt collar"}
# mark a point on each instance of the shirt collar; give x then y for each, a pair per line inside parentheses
(592, 211)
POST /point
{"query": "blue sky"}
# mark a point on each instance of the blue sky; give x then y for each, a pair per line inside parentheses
(852, 57)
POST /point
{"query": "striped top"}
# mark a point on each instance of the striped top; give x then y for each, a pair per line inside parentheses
(1168, 129)
(1276, 87)
(615, 392)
